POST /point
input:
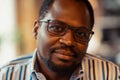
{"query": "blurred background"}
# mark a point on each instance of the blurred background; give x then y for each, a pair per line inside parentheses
(17, 20)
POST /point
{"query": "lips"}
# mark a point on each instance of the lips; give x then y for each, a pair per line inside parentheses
(64, 55)
(64, 52)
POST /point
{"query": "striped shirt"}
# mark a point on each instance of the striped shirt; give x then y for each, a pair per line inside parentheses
(92, 68)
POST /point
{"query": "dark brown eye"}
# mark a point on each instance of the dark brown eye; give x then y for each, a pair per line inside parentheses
(82, 34)
(55, 28)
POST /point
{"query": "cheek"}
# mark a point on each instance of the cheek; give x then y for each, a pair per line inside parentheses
(82, 48)
(81, 51)
(45, 42)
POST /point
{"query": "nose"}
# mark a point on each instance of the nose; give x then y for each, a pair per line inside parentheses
(67, 38)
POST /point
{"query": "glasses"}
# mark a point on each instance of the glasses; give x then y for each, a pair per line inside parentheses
(59, 28)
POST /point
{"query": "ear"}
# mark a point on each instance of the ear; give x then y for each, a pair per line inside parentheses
(35, 29)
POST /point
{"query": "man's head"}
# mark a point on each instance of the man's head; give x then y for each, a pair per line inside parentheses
(46, 4)
(63, 33)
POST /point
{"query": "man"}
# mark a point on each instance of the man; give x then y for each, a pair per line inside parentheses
(62, 34)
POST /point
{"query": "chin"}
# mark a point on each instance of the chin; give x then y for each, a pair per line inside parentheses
(61, 68)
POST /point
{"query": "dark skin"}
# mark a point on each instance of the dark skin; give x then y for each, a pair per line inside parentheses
(74, 14)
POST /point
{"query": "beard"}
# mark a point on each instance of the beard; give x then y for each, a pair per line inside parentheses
(58, 68)
(61, 69)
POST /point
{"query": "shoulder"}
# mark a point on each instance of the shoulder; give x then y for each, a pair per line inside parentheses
(96, 58)
(98, 66)
(15, 68)
(19, 61)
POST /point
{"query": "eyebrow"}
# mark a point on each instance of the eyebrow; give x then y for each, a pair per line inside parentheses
(84, 27)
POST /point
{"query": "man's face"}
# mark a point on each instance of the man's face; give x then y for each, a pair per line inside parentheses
(63, 52)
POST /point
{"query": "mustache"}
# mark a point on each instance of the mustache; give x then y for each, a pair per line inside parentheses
(68, 48)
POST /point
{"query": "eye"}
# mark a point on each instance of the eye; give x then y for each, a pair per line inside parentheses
(82, 34)
(55, 28)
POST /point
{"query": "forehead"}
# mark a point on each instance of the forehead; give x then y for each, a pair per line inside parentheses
(70, 11)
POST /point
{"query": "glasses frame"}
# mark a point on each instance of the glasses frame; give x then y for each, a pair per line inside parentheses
(68, 27)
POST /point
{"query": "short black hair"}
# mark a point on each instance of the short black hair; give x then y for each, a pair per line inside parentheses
(47, 3)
